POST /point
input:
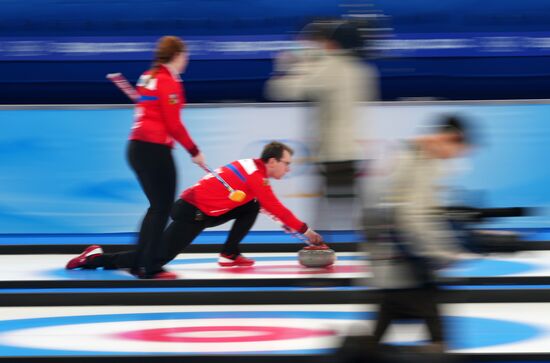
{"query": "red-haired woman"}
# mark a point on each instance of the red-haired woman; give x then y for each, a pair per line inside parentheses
(157, 126)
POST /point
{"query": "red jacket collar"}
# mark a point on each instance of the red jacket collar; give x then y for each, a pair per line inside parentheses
(165, 69)
(261, 166)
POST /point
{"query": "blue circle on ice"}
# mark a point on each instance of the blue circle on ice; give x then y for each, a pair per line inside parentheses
(487, 268)
(464, 332)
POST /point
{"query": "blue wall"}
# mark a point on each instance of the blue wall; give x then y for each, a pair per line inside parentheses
(146, 17)
(195, 17)
(64, 171)
(514, 75)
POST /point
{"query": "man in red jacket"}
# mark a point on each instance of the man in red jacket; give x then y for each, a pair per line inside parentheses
(207, 204)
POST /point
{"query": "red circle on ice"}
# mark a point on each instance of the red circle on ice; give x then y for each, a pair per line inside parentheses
(295, 270)
(219, 334)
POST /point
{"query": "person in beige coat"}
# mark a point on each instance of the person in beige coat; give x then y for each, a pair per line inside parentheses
(408, 238)
(333, 75)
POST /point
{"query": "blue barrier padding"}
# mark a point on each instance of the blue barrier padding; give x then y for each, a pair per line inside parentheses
(213, 237)
(177, 289)
(206, 238)
(251, 289)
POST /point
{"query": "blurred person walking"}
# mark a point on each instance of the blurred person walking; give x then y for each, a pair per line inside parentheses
(333, 74)
(156, 127)
(407, 236)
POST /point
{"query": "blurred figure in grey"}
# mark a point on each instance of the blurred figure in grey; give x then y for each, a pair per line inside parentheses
(408, 237)
(331, 73)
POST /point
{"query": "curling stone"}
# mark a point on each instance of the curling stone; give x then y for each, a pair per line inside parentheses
(316, 256)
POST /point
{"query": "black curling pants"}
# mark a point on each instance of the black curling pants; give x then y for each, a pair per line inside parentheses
(155, 170)
(187, 223)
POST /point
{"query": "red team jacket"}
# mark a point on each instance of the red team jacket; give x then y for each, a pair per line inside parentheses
(158, 111)
(248, 175)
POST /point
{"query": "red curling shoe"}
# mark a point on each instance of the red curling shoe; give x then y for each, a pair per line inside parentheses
(165, 275)
(159, 275)
(234, 260)
(81, 261)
